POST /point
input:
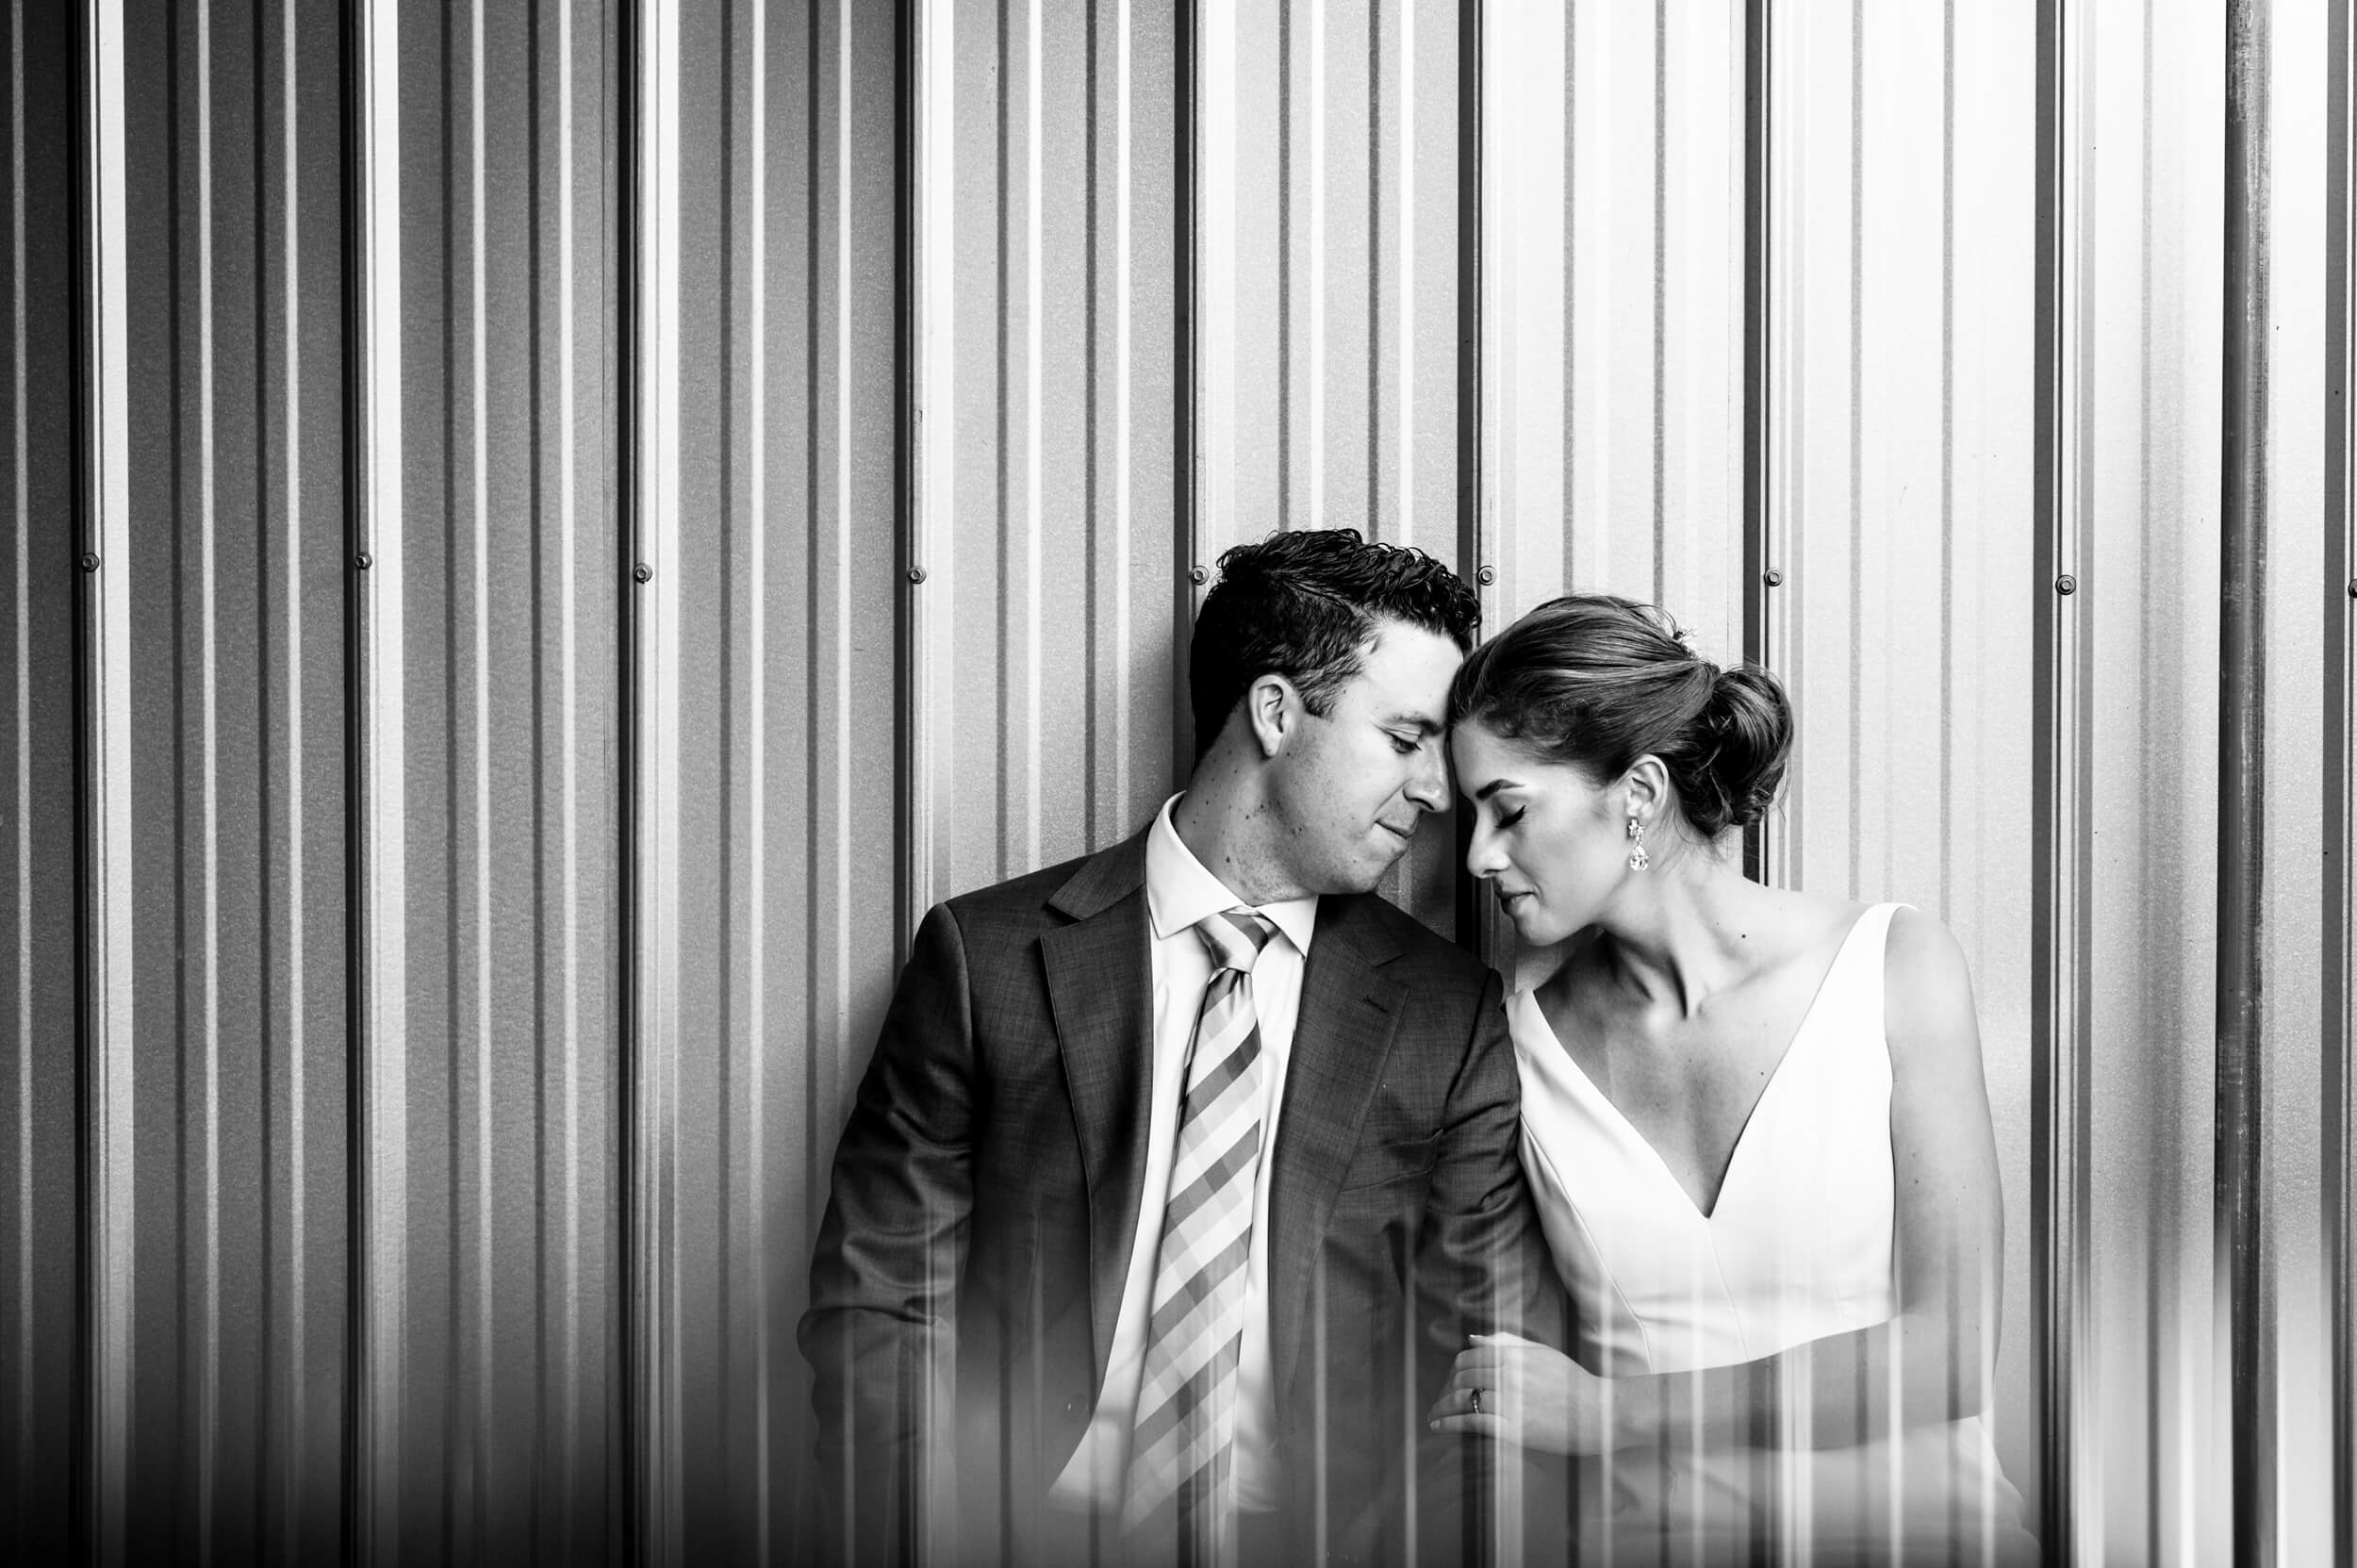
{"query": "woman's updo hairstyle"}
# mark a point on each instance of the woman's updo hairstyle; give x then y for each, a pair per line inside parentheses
(1597, 681)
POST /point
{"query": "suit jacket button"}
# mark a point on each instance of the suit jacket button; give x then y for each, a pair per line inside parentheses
(1074, 1406)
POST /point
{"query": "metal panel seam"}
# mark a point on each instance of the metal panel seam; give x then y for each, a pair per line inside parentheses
(2338, 923)
(377, 805)
(1187, 403)
(651, 389)
(2240, 1215)
(1472, 544)
(2070, 1510)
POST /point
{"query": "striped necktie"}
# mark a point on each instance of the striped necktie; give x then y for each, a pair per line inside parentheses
(1182, 1447)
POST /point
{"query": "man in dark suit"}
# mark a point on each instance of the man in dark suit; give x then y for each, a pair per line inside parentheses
(1183, 1171)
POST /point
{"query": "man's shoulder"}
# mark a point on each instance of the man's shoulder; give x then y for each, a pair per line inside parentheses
(1017, 898)
(1426, 958)
(1025, 901)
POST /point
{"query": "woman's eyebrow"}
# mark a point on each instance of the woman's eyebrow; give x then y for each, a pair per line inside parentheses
(1492, 788)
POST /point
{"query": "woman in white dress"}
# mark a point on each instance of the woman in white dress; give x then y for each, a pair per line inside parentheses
(1755, 1122)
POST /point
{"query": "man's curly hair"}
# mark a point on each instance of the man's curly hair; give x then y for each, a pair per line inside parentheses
(1303, 606)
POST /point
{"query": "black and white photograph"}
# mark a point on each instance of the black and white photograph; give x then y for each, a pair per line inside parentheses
(1220, 783)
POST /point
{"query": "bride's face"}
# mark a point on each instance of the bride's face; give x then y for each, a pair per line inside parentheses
(1548, 840)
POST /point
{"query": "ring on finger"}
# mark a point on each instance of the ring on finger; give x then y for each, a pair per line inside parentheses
(1477, 1400)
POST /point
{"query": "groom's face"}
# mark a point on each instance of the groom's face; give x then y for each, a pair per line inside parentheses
(1350, 790)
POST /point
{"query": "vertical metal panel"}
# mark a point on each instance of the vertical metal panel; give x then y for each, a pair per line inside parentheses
(1819, 136)
(1046, 280)
(1480, 924)
(2146, 440)
(1617, 137)
(1618, 192)
(1912, 662)
(1328, 311)
(1759, 252)
(2337, 905)
(299, 291)
(784, 562)
(237, 771)
(1526, 281)
(379, 1442)
(928, 76)
(511, 568)
(2058, 984)
(104, 903)
(1616, 143)
(1770, 389)
(1188, 559)
(39, 580)
(652, 824)
(2293, 646)
(2241, 1246)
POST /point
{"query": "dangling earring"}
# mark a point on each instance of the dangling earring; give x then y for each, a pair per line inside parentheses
(1638, 858)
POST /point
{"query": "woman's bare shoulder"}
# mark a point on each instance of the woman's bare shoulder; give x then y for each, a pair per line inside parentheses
(1927, 989)
(1919, 950)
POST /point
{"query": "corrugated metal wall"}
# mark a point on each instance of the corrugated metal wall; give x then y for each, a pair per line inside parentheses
(491, 1279)
(39, 1307)
(574, 523)
(2134, 678)
(764, 673)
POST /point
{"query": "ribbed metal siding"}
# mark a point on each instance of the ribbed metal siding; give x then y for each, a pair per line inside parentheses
(232, 577)
(1614, 299)
(38, 1383)
(2337, 922)
(645, 851)
(1045, 369)
(2304, 628)
(780, 547)
(2140, 672)
(502, 570)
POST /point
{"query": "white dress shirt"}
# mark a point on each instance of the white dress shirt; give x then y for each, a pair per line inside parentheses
(1179, 892)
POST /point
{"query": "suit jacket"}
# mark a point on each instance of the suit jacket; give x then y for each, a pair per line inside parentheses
(985, 1199)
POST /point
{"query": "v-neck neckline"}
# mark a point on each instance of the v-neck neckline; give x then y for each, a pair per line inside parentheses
(1751, 1118)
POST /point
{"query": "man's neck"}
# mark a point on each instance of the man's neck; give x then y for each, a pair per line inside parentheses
(1223, 820)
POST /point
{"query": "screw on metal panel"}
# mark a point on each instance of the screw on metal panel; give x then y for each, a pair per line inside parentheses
(642, 572)
(362, 560)
(89, 561)
(1486, 576)
(916, 574)
(1773, 578)
(2065, 583)
(1198, 576)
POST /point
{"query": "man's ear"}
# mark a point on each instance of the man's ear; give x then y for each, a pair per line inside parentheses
(1645, 788)
(1273, 707)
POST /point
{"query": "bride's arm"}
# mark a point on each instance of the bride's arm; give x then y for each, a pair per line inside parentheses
(1931, 1362)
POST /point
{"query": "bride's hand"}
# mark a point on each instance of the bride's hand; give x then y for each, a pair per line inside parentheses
(1530, 1394)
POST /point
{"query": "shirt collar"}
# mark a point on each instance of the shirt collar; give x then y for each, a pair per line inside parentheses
(1179, 891)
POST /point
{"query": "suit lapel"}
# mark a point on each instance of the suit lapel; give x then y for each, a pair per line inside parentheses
(1099, 989)
(1342, 1039)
